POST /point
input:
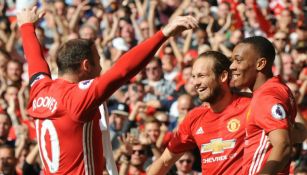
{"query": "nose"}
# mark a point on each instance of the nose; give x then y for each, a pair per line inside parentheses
(233, 66)
(195, 82)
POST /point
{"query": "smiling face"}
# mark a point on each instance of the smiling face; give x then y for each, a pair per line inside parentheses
(205, 81)
(243, 67)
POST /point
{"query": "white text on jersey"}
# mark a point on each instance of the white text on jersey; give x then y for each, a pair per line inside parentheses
(219, 158)
(45, 102)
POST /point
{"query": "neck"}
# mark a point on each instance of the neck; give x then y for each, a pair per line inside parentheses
(133, 169)
(260, 80)
(222, 103)
(73, 78)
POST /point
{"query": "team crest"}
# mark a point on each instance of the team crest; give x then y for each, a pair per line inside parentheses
(85, 84)
(278, 112)
(233, 125)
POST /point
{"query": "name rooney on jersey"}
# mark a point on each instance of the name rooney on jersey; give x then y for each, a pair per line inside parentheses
(45, 102)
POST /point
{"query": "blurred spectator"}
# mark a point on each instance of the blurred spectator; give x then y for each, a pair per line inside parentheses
(156, 87)
(185, 163)
(179, 109)
(87, 32)
(133, 162)
(235, 37)
(170, 71)
(281, 41)
(118, 117)
(13, 73)
(7, 160)
(5, 125)
(4, 58)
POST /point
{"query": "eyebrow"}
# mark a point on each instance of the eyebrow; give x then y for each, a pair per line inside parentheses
(237, 56)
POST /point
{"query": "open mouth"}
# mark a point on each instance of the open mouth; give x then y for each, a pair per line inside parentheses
(235, 76)
(201, 89)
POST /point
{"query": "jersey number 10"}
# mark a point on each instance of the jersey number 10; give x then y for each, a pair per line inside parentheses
(53, 163)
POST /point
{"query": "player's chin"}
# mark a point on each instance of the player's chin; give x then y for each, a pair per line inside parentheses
(235, 84)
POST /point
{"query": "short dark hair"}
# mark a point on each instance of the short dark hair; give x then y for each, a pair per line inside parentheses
(263, 47)
(221, 62)
(15, 61)
(5, 54)
(152, 120)
(158, 60)
(6, 146)
(72, 53)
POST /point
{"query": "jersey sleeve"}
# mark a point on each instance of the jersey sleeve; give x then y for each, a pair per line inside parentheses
(89, 94)
(128, 66)
(273, 113)
(33, 52)
(182, 139)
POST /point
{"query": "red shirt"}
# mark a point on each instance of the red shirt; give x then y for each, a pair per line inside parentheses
(272, 107)
(219, 136)
(67, 114)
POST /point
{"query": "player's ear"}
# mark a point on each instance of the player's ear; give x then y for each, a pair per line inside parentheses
(85, 65)
(261, 63)
(224, 76)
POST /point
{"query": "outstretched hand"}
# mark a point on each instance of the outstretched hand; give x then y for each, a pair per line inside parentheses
(179, 24)
(29, 15)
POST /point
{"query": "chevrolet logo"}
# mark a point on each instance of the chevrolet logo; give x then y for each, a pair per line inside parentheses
(217, 146)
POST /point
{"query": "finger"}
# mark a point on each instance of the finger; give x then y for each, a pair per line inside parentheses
(189, 24)
(41, 13)
(34, 9)
(120, 140)
(18, 17)
(84, 3)
(185, 25)
(193, 21)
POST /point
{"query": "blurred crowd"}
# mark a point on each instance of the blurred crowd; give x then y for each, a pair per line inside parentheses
(145, 112)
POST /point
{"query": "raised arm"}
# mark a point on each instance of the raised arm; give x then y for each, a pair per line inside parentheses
(136, 59)
(33, 51)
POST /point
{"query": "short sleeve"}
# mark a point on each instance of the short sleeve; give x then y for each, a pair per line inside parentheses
(273, 113)
(182, 140)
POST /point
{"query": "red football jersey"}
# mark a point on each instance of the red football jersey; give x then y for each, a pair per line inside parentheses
(67, 114)
(67, 126)
(272, 107)
(219, 136)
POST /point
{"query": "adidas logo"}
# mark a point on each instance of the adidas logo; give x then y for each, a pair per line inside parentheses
(199, 131)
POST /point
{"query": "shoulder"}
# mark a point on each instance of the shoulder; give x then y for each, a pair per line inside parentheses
(200, 109)
(39, 79)
(242, 100)
(197, 112)
(279, 93)
(240, 103)
(275, 87)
